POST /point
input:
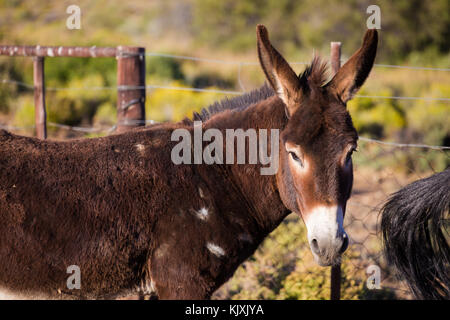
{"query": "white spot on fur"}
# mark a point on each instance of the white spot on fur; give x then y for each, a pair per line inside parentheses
(161, 250)
(215, 249)
(140, 148)
(202, 214)
(200, 192)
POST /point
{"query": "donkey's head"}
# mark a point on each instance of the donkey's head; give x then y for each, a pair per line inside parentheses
(316, 174)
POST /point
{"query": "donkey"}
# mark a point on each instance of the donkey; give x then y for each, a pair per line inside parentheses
(133, 222)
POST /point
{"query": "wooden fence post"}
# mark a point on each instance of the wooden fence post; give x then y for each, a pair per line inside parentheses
(40, 115)
(130, 87)
(335, 57)
(335, 292)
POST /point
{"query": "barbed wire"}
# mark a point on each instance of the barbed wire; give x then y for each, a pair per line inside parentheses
(208, 60)
(405, 145)
(218, 91)
(110, 129)
(255, 63)
(84, 129)
(246, 63)
(410, 67)
(18, 83)
(155, 86)
(402, 98)
(366, 220)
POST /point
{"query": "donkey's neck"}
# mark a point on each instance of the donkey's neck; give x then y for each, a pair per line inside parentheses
(259, 191)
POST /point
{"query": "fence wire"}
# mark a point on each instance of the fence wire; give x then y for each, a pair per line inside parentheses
(244, 63)
(225, 92)
(373, 182)
(380, 170)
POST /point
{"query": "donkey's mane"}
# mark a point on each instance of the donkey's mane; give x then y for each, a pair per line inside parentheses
(238, 103)
(316, 74)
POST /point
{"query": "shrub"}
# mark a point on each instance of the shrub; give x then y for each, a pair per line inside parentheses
(283, 268)
(106, 115)
(74, 106)
(24, 113)
(377, 118)
(164, 68)
(164, 105)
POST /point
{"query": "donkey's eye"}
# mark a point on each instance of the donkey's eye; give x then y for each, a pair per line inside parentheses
(349, 155)
(296, 158)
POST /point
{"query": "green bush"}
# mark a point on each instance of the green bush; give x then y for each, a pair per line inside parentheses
(283, 268)
(62, 70)
(174, 105)
(377, 118)
(106, 115)
(78, 105)
(432, 118)
(5, 97)
(162, 68)
(24, 113)
(10, 69)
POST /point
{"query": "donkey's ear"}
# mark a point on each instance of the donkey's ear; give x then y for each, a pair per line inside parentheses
(355, 71)
(278, 72)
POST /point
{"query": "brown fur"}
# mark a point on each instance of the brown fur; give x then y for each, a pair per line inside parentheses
(118, 207)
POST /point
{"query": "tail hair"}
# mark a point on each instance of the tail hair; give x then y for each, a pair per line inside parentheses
(415, 230)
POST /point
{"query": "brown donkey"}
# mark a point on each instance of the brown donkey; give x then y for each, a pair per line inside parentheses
(133, 221)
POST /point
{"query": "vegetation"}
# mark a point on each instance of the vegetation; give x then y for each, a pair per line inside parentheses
(283, 268)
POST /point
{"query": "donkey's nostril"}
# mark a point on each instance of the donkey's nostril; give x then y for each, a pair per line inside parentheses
(315, 246)
(344, 244)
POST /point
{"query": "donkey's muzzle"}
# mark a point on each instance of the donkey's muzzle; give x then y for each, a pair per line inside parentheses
(328, 252)
(326, 236)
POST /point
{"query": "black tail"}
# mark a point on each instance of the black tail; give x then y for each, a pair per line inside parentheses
(415, 226)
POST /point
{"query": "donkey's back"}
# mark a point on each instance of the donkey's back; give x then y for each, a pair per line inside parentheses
(89, 203)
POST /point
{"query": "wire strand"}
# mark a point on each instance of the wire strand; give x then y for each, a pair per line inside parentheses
(151, 122)
(232, 92)
(405, 145)
(243, 63)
